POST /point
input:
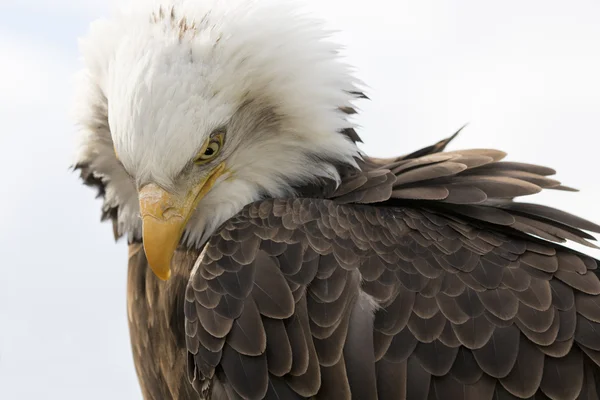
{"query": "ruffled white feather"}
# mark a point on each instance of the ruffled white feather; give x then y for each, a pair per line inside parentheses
(160, 76)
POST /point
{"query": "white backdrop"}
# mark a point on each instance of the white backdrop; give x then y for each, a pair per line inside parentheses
(524, 74)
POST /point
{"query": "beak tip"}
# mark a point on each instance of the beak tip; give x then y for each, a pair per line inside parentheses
(159, 263)
(165, 276)
(162, 270)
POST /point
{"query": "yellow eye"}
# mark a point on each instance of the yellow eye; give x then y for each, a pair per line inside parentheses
(211, 150)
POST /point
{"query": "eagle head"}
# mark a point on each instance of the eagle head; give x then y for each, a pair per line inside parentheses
(192, 109)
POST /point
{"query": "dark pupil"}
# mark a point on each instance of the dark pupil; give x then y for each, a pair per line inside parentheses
(209, 151)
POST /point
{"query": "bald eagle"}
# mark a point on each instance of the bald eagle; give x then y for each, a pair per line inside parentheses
(270, 258)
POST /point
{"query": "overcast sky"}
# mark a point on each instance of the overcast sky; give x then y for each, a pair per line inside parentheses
(525, 74)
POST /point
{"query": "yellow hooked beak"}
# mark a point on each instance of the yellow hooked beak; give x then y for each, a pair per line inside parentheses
(164, 216)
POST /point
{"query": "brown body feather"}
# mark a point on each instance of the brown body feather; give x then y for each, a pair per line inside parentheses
(155, 312)
(418, 278)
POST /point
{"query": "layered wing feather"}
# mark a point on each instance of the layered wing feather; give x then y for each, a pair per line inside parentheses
(313, 298)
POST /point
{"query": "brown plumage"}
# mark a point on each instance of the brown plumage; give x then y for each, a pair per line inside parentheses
(418, 278)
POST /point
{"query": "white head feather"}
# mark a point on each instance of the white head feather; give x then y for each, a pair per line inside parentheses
(160, 78)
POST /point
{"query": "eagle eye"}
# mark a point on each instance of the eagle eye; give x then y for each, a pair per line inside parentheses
(211, 150)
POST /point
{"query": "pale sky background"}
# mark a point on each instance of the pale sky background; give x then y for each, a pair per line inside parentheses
(525, 74)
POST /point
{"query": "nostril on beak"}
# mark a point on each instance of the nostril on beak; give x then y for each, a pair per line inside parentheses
(157, 203)
(169, 212)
